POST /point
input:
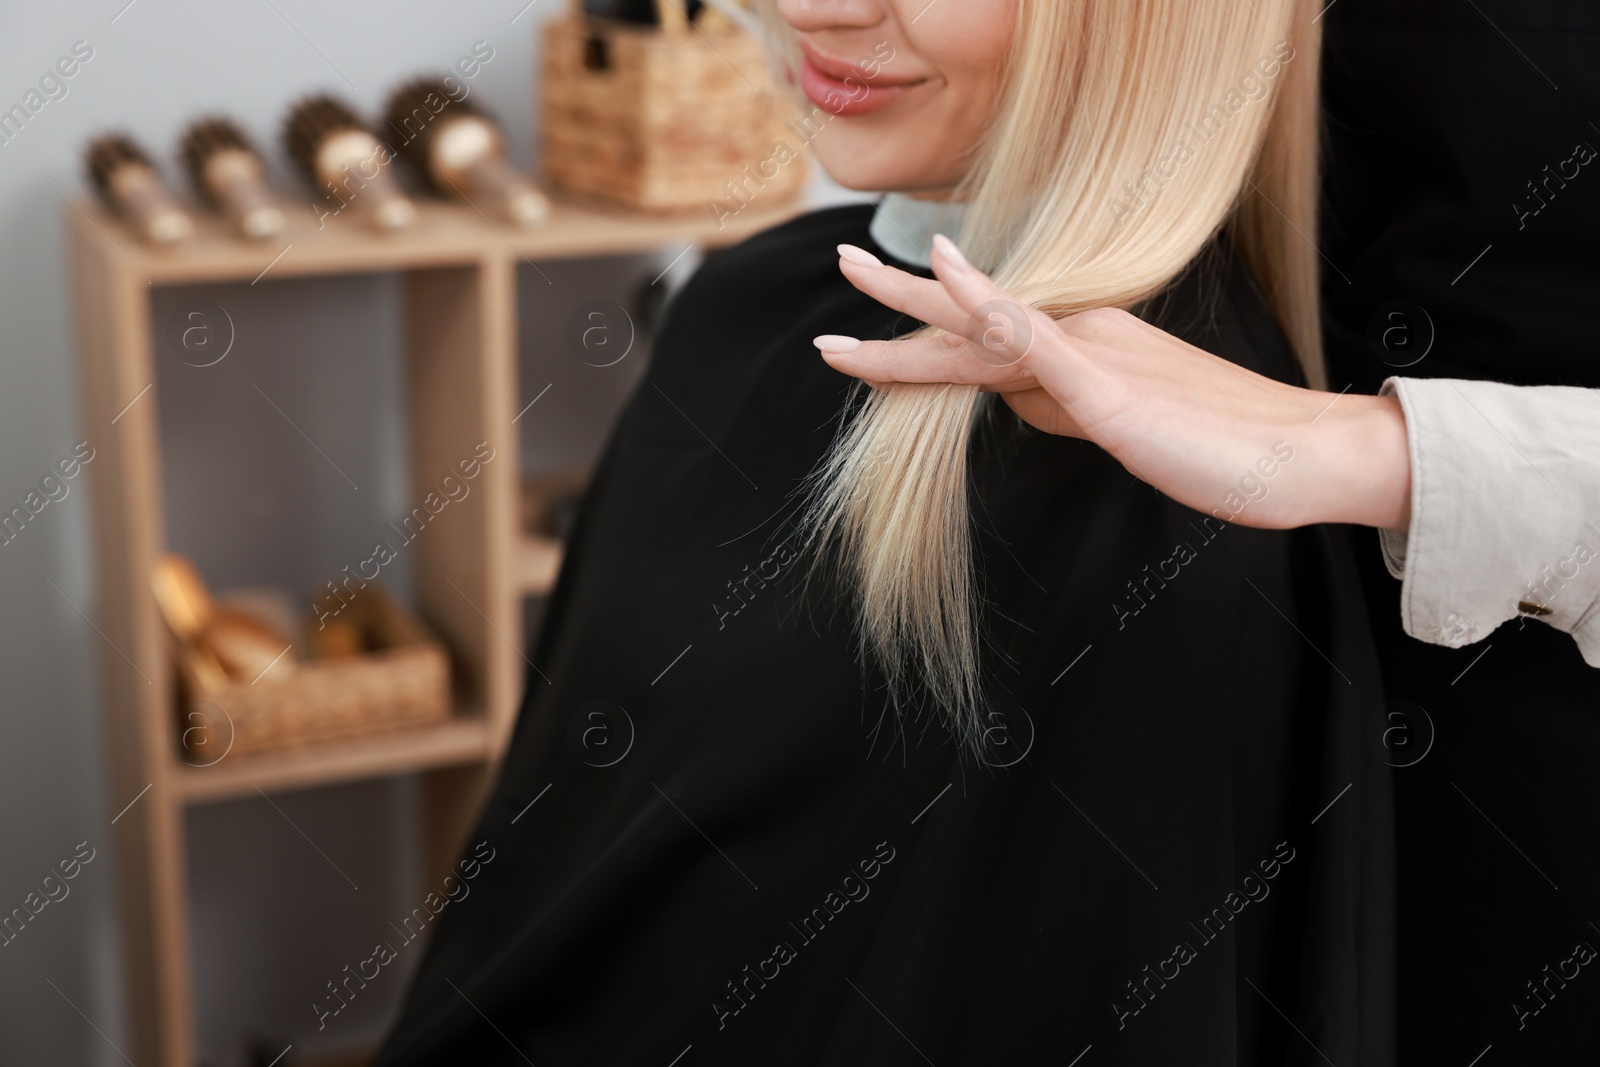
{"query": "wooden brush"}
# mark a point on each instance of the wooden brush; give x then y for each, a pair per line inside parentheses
(227, 172)
(673, 16)
(131, 186)
(187, 606)
(341, 157)
(460, 150)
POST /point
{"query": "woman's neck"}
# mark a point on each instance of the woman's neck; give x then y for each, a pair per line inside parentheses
(904, 224)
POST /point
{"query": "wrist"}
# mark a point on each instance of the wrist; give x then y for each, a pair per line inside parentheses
(1369, 463)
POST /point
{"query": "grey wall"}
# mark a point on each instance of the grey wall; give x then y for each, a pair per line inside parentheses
(272, 920)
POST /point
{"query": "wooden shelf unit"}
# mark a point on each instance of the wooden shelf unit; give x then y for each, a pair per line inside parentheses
(461, 326)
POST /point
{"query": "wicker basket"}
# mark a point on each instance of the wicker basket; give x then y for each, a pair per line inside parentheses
(664, 120)
(403, 685)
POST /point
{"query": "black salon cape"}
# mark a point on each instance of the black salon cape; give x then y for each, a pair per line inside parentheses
(1440, 113)
(711, 842)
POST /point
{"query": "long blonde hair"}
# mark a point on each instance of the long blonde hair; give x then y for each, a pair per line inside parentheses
(1128, 134)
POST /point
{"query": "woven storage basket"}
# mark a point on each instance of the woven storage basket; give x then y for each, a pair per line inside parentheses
(663, 120)
(403, 685)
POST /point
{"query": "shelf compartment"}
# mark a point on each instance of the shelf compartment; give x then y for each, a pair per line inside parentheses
(538, 564)
(547, 502)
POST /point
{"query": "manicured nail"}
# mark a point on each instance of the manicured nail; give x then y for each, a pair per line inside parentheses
(943, 244)
(859, 256)
(833, 342)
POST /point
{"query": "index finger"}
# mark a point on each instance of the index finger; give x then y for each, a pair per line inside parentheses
(928, 358)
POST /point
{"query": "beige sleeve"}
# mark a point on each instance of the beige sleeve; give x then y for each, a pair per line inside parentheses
(1505, 510)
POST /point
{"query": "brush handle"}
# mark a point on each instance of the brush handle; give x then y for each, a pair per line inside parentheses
(234, 178)
(343, 162)
(670, 14)
(137, 193)
(673, 16)
(390, 208)
(493, 180)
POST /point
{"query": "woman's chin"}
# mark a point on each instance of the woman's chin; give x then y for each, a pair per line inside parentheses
(882, 175)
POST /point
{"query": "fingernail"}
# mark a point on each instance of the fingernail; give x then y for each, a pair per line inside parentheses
(943, 244)
(833, 342)
(859, 256)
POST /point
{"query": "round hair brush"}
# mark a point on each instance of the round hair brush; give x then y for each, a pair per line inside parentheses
(341, 157)
(228, 174)
(132, 187)
(460, 149)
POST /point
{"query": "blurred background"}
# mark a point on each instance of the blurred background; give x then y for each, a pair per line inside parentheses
(285, 886)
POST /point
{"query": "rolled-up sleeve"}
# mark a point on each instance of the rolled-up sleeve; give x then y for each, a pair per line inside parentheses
(1505, 510)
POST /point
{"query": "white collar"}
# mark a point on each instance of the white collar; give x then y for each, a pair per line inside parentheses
(904, 226)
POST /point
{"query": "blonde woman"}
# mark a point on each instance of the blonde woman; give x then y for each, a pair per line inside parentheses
(1039, 765)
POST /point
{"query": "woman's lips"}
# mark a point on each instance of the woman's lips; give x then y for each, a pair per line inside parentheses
(844, 88)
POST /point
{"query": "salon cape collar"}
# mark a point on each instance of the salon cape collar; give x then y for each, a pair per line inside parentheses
(904, 226)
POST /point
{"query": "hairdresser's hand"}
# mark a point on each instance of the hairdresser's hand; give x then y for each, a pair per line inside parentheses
(1202, 430)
